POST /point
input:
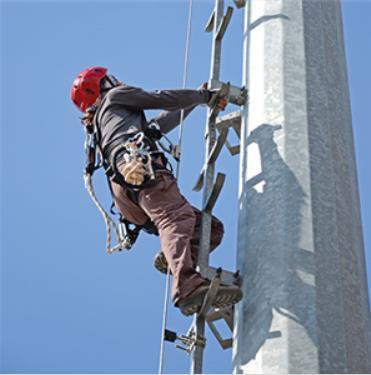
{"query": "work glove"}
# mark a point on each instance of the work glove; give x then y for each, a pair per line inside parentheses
(134, 172)
(218, 98)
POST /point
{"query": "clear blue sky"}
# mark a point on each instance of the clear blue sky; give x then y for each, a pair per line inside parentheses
(66, 306)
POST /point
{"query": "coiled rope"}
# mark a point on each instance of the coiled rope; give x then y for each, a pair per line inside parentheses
(107, 219)
(180, 138)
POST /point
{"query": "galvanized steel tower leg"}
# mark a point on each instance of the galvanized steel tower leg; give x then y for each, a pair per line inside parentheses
(300, 247)
(210, 137)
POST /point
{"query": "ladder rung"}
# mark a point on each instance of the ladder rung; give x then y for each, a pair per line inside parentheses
(212, 158)
(200, 181)
(210, 23)
(218, 146)
(224, 24)
(217, 188)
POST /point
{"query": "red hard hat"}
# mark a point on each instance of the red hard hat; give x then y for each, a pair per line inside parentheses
(85, 89)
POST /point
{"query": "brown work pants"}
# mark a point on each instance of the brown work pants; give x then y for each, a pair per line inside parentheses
(179, 226)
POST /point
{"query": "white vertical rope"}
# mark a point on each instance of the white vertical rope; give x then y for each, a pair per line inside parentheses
(185, 80)
(164, 319)
(180, 138)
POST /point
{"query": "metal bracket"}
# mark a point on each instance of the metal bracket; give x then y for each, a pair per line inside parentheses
(190, 341)
(211, 314)
(231, 120)
(218, 314)
(226, 277)
(237, 95)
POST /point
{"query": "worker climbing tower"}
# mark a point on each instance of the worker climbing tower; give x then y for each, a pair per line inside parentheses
(300, 247)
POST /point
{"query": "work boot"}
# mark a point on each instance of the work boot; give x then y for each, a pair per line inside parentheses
(227, 295)
(160, 262)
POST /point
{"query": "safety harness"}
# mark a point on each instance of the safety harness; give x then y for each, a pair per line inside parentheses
(141, 145)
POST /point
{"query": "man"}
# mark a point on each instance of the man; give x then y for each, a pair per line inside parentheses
(143, 189)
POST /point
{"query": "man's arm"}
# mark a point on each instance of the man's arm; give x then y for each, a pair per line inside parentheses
(135, 98)
(168, 120)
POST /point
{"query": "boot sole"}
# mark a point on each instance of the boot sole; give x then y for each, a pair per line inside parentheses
(223, 299)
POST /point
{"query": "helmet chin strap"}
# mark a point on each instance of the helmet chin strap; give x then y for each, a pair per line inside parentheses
(108, 83)
(113, 80)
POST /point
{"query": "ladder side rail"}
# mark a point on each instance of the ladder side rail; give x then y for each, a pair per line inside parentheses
(210, 137)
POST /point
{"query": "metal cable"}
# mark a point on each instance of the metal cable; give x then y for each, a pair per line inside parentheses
(180, 138)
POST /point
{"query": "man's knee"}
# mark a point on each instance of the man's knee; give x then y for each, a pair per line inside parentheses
(184, 218)
(217, 233)
(180, 221)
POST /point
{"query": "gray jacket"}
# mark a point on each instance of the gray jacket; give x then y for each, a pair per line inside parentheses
(123, 109)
